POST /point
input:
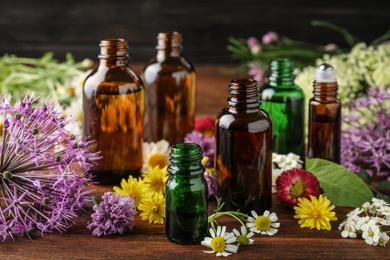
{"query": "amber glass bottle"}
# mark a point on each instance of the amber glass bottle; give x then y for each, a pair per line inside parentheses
(170, 82)
(113, 107)
(186, 195)
(243, 150)
(325, 116)
(285, 103)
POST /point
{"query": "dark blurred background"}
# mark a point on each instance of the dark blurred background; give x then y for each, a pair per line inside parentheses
(33, 27)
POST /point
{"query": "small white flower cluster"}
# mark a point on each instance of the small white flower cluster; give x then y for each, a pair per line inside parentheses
(363, 66)
(368, 221)
(281, 163)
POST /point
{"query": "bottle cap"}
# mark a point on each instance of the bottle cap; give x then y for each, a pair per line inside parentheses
(325, 73)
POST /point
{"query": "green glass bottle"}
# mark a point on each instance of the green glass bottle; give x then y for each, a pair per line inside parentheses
(285, 103)
(186, 195)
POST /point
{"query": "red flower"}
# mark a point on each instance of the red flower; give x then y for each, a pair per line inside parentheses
(296, 183)
(205, 125)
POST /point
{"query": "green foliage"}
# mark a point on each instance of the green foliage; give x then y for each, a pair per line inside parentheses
(342, 187)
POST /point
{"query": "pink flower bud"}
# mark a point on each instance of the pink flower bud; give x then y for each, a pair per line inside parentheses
(270, 37)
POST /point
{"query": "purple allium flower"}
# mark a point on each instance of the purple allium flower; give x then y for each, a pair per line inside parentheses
(365, 138)
(113, 215)
(43, 169)
(270, 37)
(254, 45)
(211, 179)
(205, 142)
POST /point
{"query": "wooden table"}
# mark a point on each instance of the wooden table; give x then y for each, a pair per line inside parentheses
(148, 241)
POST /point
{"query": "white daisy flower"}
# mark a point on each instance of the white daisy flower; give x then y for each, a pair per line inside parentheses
(155, 154)
(244, 238)
(265, 224)
(220, 242)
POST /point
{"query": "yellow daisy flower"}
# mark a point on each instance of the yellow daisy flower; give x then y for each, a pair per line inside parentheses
(152, 208)
(134, 188)
(156, 178)
(315, 213)
(155, 154)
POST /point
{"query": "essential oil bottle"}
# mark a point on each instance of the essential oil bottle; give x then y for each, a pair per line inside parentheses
(186, 195)
(325, 116)
(243, 150)
(113, 113)
(284, 101)
(170, 92)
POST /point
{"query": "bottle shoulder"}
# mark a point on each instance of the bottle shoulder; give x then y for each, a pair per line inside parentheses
(168, 65)
(113, 80)
(271, 92)
(229, 119)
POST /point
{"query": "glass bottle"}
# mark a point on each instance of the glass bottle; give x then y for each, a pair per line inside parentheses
(186, 195)
(325, 116)
(243, 150)
(285, 103)
(170, 82)
(113, 107)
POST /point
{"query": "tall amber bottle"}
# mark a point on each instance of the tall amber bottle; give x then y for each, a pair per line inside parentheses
(113, 106)
(170, 82)
(325, 116)
(243, 150)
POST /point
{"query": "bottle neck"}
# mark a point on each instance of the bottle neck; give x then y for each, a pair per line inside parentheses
(281, 73)
(186, 160)
(168, 45)
(114, 52)
(325, 91)
(244, 95)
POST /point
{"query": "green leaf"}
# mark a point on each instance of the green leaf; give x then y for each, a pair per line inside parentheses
(349, 38)
(342, 187)
(384, 185)
(363, 174)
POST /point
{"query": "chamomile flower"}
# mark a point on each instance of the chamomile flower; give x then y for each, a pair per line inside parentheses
(155, 154)
(221, 242)
(315, 213)
(152, 208)
(264, 224)
(244, 238)
(135, 188)
(156, 178)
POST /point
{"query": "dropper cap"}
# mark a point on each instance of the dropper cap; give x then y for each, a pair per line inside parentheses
(325, 73)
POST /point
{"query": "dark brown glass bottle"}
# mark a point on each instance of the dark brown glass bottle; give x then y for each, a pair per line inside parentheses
(243, 150)
(113, 106)
(170, 82)
(325, 116)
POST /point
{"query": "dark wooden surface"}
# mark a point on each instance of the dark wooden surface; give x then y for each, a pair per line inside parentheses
(30, 28)
(148, 241)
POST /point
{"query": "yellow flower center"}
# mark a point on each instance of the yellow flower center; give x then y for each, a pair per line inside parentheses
(156, 159)
(297, 189)
(243, 240)
(316, 214)
(218, 244)
(155, 209)
(262, 223)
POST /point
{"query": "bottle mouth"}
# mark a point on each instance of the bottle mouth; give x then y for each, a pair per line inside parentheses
(113, 47)
(166, 40)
